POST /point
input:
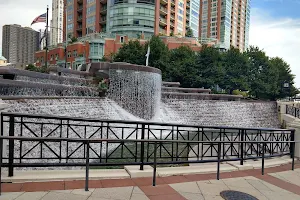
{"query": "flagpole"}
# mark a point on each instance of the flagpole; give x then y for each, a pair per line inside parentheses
(46, 63)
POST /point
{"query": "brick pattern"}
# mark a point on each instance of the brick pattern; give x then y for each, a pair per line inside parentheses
(146, 183)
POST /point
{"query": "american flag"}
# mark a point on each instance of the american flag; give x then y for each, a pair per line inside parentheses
(41, 18)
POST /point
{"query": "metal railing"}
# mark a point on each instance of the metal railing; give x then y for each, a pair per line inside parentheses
(87, 143)
(290, 110)
(52, 141)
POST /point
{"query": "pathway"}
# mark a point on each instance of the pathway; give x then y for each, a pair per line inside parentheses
(277, 183)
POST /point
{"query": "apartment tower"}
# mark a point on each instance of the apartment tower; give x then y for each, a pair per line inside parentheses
(173, 16)
(130, 17)
(226, 21)
(19, 44)
(56, 25)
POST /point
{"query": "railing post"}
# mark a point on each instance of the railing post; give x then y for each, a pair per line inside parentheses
(292, 148)
(242, 148)
(263, 159)
(1, 151)
(295, 112)
(154, 165)
(219, 160)
(286, 109)
(11, 146)
(87, 166)
(142, 147)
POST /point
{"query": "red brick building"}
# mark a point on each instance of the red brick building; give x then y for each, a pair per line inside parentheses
(94, 48)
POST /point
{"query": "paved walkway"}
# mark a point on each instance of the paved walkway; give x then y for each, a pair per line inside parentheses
(277, 183)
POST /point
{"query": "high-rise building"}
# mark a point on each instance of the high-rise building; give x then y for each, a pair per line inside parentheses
(56, 25)
(172, 17)
(131, 17)
(226, 21)
(19, 44)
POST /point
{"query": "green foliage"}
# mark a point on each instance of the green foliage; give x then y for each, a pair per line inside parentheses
(31, 67)
(238, 92)
(74, 39)
(132, 52)
(189, 32)
(251, 74)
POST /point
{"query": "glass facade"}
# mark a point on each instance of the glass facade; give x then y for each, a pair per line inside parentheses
(225, 24)
(132, 17)
(90, 16)
(247, 25)
(96, 50)
(194, 17)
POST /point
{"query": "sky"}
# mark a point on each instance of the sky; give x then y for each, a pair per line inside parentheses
(274, 25)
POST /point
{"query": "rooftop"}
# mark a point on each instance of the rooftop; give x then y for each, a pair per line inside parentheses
(2, 58)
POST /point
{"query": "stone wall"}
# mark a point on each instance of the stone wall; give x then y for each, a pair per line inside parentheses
(222, 113)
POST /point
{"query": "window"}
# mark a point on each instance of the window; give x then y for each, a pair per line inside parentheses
(69, 54)
(122, 39)
(75, 53)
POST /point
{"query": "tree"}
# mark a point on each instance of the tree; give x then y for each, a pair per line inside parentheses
(189, 32)
(235, 65)
(182, 67)
(132, 52)
(159, 54)
(209, 67)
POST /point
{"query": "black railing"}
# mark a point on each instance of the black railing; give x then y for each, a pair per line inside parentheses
(295, 112)
(156, 143)
(53, 141)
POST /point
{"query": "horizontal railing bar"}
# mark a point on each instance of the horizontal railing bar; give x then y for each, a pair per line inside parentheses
(131, 122)
(85, 140)
(77, 164)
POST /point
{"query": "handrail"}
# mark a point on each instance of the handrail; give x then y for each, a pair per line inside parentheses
(88, 140)
(8, 114)
(155, 141)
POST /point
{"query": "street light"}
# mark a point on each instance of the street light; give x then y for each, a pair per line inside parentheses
(286, 86)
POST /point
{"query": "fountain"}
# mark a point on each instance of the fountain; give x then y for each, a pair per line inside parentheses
(136, 93)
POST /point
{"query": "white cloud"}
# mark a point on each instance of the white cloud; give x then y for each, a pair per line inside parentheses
(22, 12)
(278, 37)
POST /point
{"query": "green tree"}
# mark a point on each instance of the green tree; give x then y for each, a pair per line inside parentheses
(209, 67)
(159, 54)
(132, 52)
(189, 32)
(236, 66)
(182, 67)
(31, 67)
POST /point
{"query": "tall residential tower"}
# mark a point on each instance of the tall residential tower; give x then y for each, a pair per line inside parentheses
(19, 44)
(132, 17)
(56, 25)
(227, 21)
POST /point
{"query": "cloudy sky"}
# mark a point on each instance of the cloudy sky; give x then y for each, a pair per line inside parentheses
(274, 26)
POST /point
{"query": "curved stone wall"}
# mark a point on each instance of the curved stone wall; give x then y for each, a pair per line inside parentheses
(135, 88)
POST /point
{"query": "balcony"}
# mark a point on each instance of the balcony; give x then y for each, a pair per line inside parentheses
(163, 21)
(103, 2)
(164, 2)
(79, 28)
(173, 3)
(79, 19)
(172, 10)
(172, 24)
(103, 20)
(163, 11)
(172, 17)
(188, 5)
(162, 31)
(103, 10)
(80, 2)
(80, 9)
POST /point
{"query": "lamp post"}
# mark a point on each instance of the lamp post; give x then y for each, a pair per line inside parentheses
(286, 86)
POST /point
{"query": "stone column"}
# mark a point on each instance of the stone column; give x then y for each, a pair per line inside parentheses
(3, 107)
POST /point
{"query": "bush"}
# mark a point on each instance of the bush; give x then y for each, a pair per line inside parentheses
(238, 92)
